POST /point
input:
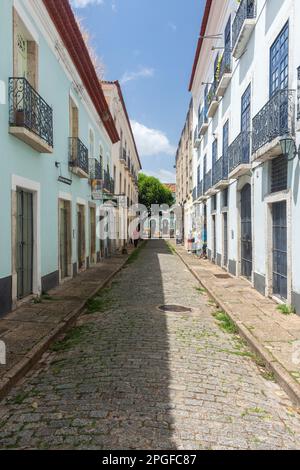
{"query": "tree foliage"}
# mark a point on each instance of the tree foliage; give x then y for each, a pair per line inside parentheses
(152, 191)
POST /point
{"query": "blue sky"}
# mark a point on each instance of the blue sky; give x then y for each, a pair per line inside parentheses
(149, 46)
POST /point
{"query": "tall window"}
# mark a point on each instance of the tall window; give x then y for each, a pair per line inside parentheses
(246, 110)
(279, 62)
(214, 151)
(225, 148)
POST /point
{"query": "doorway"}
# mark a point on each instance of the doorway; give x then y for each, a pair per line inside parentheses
(246, 232)
(279, 249)
(25, 242)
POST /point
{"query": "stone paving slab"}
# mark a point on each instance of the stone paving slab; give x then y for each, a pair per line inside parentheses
(28, 331)
(274, 335)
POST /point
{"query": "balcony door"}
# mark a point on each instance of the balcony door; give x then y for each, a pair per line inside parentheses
(246, 232)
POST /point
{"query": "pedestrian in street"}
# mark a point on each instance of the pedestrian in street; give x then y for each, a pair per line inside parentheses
(136, 237)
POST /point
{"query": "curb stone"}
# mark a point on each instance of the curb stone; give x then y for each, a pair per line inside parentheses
(283, 377)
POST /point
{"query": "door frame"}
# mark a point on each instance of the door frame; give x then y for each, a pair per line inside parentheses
(65, 197)
(283, 196)
(83, 204)
(246, 179)
(92, 206)
(34, 187)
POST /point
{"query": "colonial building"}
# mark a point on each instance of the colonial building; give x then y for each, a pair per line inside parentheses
(126, 163)
(55, 152)
(184, 174)
(246, 121)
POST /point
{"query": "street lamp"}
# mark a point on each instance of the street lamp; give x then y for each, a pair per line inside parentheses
(288, 147)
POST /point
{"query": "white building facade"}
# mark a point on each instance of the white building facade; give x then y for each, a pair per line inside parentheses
(246, 119)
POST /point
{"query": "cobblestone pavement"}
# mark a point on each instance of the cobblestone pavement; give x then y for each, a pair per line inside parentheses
(132, 377)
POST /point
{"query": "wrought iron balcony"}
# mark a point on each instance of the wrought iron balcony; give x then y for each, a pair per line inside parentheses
(30, 117)
(196, 138)
(220, 173)
(239, 155)
(212, 101)
(203, 122)
(96, 172)
(108, 183)
(207, 182)
(243, 26)
(123, 155)
(275, 120)
(224, 73)
(78, 157)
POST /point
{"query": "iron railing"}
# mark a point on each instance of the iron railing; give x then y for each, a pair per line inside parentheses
(239, 151)
(108, 182)
(207, 181)
(78, 155)
(275, 119)
(220, 170)
(123, 155)
(211, 96)
(96, 172)
(202, 119)
(246, 10)
(225, 65)
(28, 109)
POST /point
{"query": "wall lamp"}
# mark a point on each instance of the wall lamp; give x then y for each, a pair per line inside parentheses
(289, 148)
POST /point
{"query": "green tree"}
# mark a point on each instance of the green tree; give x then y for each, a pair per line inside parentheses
(152, 191)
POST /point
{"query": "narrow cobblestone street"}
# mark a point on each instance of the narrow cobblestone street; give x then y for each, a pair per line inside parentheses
(132, 377)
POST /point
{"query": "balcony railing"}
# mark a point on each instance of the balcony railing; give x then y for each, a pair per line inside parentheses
(211, 96)
(203, 120)
(78, 155)
(225, 65)
(276, 119)
(123, 155)
(95, 169)
(220, 170)
(239, 151)
(246, 11)
(108, 183)
(207, 181)
(29, 110)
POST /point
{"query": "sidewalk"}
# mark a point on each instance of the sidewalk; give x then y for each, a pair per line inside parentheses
(274, 336)
(28, 331)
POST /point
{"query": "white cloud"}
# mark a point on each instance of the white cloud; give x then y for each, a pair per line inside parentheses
(151, 142)
(163, 175)
(85, 3)
(143, 72)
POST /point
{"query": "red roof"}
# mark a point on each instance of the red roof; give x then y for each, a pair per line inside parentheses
(64, 20)
(200, 40)
(171, 186)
